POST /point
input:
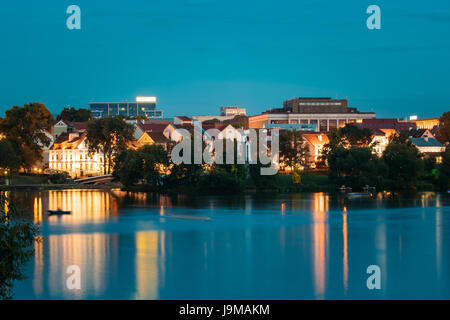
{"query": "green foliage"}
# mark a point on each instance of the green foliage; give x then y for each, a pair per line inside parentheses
(293, 152)
(74, 115)
(444, 171)
(23, 126)
(144, 164)
(355, 136)
(58, 178)
(223, 179)
(404, 163)
(16, 245)
(9, 156)
(349, 136)
(355, 167)
(154, 158)
(261, 181)
(128, 168)
(237, 122)
(108, 136)
(444, 128)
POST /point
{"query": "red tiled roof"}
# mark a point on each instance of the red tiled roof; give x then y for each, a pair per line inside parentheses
(217, 125)
(152, 127)
(79, 125)
(62, 137)
(184, 118)
(184, 126)
(158, 137)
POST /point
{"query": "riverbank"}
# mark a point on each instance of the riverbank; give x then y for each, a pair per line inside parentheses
(58, 187)
(282, 183)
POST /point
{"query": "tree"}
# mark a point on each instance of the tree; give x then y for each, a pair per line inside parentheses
(26, 125)
(75, 115)
(154, 163)
(148, 163)
(404, 163)
(128, 167)
(347, 137)
(240, 121)
(16, 245)
(355, 167)
(293, 151)
(355, 136)
(109, 136)
(186, 174)
(9, 156)
(444, 171)
(444, 128)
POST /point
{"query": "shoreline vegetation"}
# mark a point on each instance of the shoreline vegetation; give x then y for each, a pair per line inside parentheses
(283, 183)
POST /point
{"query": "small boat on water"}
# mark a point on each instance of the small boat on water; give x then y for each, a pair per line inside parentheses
(358, 195)
(188, 217)
(58, 212)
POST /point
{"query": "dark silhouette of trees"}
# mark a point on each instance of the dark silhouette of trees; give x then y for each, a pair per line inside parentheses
(75, 115)
(16, 245)
(25, 126)
(404, 163)
(444, 128)
(108, 136)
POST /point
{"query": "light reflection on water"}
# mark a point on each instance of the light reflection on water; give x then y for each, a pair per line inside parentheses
(300, 246)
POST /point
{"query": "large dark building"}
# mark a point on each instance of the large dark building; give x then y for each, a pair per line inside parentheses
(323, 113)
(317, 105)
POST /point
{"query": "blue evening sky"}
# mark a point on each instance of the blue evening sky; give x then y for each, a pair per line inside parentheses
(197, 55)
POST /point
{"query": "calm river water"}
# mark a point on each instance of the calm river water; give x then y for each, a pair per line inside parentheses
(267, 246)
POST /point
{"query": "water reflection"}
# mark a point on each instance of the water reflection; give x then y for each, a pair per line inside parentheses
(320, 236)
(137, 246)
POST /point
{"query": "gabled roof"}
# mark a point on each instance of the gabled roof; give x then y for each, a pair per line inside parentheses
(417, 133)
(389, 132)
(426, 142)
(63, 142)
(62, 137)
(316, 138)
(152, 127)
(157, 137)
(79, 125)
(58, 121)
(183, 118)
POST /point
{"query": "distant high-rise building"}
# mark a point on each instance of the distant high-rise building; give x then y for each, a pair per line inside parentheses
(144, 106)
